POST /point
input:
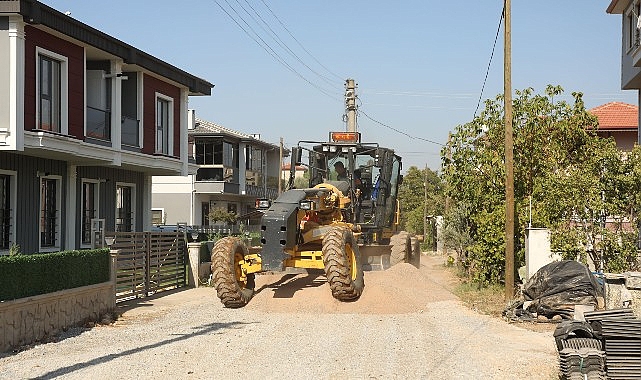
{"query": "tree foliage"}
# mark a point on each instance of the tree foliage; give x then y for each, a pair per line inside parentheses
(222, 215)
(421, 192)
(573, 178)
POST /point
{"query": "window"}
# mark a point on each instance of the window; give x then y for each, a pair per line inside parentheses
(49, 94)
(5, 211)
(51, 91)
(89, 208)
(125, 195)
(49, 212)
(164, 125)
(204, 213)
(631, 26)
(210, 151)
(157, 216)
(253, 158)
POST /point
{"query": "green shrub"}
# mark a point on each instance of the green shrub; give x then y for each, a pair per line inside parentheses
(30, 275)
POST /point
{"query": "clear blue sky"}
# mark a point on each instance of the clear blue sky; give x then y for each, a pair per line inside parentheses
(419, 64)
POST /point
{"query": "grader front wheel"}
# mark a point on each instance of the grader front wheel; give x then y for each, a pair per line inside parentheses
(233, 287)
(342, 261)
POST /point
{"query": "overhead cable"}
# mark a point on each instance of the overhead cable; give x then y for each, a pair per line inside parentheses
(398, 131)
(268, 48)
(487, 72)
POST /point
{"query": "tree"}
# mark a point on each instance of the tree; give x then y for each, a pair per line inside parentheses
(573, 178)
(220, 214)
(413, 200)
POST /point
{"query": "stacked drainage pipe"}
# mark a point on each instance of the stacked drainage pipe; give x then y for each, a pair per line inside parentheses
(620, 331)
(580, 353)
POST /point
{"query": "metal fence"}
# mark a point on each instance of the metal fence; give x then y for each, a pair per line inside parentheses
(148, 262)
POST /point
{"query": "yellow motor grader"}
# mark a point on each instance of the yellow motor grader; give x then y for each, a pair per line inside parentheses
(338, 224)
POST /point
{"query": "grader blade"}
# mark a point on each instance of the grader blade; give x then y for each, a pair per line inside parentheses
(375, 257)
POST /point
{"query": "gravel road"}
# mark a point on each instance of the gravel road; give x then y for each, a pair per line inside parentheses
(406, 325)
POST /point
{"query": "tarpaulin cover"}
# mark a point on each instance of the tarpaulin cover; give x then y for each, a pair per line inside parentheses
(557, 287)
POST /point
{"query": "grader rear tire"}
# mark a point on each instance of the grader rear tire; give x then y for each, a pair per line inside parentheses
(343, 267)
(226, 273)
(401, 248)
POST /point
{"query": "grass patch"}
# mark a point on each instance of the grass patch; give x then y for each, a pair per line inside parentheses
(488, 300)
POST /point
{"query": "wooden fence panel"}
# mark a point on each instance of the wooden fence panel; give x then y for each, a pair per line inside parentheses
(148, 262)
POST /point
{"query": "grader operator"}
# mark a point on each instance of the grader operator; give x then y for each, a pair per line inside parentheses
(345, 221)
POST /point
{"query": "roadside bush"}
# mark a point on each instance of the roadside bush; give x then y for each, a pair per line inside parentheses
(30, 275)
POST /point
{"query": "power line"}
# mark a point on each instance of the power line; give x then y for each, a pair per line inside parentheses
(487, 72)
(298, 42)
(399, 131)
(270, 31)
(268, 48)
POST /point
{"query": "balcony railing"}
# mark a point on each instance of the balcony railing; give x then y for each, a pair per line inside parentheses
(261, 192)
(98, 123)
(130, 131)
(216, 187)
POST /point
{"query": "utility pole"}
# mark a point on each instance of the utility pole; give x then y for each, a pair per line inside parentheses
(280, 169)
(350, 104)
(425, 205)
(509, 157)
(449, 157)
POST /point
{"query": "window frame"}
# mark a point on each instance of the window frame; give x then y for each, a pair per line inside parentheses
(64, 90)
(169, 128)
(12, 201)
(132, 188)
(162, 215)
(96, 201)
(56, 246)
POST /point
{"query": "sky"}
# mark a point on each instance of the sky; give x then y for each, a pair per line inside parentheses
(280, 69)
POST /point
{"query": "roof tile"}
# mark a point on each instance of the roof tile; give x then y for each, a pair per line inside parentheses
(617, 116)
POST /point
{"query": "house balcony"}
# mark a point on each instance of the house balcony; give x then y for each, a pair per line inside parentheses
(261, 192)
(130, 131)
(216, 187)
(98, 123)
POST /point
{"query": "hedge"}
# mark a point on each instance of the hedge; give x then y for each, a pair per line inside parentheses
(30, 275)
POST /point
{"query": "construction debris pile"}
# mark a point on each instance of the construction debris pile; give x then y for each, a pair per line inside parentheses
(606, 345)
(555, 290)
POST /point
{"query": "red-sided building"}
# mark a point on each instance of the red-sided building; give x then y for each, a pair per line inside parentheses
(85, 121)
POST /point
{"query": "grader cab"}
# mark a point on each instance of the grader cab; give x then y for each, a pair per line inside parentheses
(341, 223)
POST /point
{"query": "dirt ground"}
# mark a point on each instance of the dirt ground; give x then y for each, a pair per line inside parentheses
(407, 324)
(398, 290)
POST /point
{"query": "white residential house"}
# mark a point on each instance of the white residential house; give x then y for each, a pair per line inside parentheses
(234, 169)
(630, 45)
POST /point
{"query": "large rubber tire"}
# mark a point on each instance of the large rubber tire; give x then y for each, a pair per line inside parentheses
(401, 248)
(342, 261)
(226, 272)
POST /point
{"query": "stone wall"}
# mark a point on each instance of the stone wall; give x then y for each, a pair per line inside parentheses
(30, 319)
(623, 291)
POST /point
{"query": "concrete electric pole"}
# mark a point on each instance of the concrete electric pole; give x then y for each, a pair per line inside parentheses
(350, 104)
(280, 169)
(509, 157)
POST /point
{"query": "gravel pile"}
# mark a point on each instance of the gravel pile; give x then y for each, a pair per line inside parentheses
(406, 325)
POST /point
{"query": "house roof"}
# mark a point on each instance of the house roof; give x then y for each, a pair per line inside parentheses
(36, 13)
(617, 116)
(617, 6)
(208, 128)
